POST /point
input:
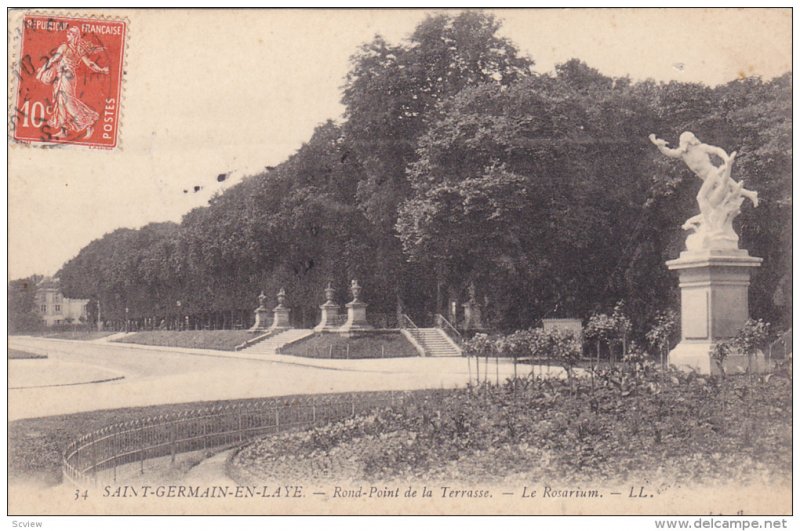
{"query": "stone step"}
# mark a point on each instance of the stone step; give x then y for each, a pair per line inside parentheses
(434, 343)
(271, 344)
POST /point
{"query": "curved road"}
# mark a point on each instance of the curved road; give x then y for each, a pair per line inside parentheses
(161, 375)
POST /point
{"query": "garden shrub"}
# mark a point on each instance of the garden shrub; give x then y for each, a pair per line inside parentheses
(627, 421)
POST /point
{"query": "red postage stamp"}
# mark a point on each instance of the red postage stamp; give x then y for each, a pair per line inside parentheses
(69, 80)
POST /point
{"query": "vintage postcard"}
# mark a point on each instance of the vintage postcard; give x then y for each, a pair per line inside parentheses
(401, 262)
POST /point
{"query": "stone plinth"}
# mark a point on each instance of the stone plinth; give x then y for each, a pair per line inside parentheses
(356, 318)
(472, 316)
(714, 303)
(280, 319)
(330, 318)
(262, 316)
(262, 320)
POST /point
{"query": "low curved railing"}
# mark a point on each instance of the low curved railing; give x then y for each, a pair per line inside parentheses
(102, 451)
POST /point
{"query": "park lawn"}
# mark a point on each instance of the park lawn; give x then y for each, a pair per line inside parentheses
(369, 345)
(14, 354)
(208, 339)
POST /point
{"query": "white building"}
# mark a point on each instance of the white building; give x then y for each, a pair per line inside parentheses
(54, 308)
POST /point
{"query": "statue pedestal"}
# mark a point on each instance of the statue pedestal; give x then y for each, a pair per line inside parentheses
(330, 318)
(262, 320)
(472, 316)
(714, 303)
(280, 320)
(356, 317)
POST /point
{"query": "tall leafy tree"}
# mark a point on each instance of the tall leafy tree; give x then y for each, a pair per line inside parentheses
(22, 311)
(393, 93)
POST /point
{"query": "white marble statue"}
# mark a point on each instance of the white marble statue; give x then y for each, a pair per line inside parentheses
(719, 197)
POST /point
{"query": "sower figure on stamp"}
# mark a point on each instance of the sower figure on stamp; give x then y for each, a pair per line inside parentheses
(70, 114)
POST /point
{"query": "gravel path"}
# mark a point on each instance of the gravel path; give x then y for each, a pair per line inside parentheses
(26, 374)
(160, 375)
(211, 471)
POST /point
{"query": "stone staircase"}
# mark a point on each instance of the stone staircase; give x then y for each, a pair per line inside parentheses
(112, 337)
(434, 342)
(271, 344)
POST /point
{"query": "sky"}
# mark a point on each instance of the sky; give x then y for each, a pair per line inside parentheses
(217, 91)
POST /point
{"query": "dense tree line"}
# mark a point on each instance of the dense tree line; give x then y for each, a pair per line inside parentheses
(549, 197)
(457, 169)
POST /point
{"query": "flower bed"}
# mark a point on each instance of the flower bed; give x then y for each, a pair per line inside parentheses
(14, 354)
(622, 424)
